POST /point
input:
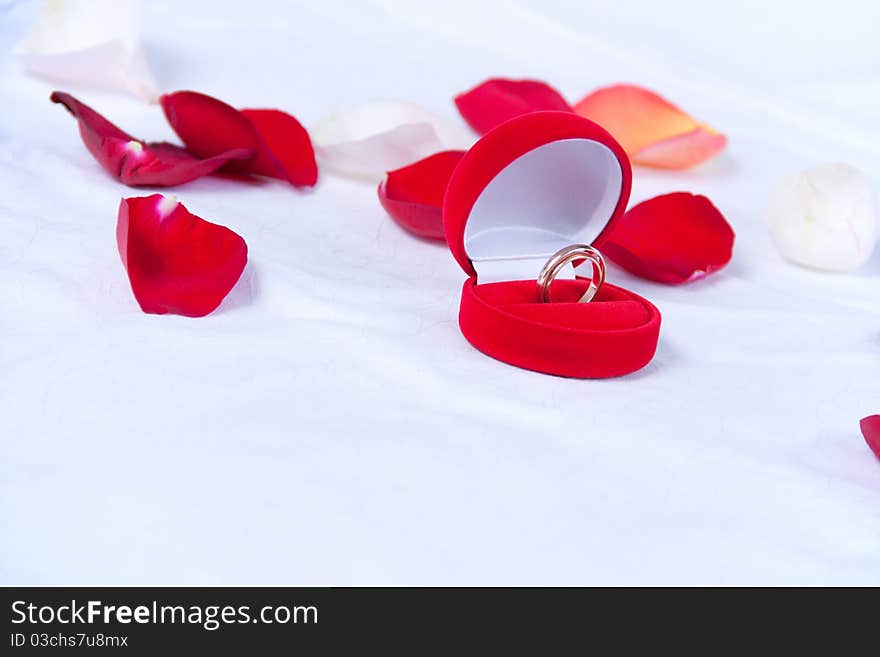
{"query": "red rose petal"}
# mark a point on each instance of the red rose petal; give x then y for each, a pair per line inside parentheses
(413, 195)
(871, 431)
(498, 100)
(206, 125)
(134, 162)
(209, 126)
(176, 262)
(287, 151)
(673, 239)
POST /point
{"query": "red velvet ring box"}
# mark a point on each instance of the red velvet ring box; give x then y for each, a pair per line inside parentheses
(533, 185)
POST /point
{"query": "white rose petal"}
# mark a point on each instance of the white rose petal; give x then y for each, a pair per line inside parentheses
(89, 43)
(825, 218)
(375, 138)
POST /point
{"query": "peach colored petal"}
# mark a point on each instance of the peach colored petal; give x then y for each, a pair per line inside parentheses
(682, 151)
(652, 131)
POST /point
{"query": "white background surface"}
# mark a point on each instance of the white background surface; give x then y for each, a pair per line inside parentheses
(329, 424)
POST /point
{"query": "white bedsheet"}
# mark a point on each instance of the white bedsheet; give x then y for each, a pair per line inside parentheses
(330, 425)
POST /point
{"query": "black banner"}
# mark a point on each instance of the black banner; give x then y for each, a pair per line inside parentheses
(351, 621)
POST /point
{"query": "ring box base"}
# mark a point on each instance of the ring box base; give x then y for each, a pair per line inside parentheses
(613, 335)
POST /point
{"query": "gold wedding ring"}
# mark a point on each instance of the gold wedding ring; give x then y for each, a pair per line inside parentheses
(563, 257)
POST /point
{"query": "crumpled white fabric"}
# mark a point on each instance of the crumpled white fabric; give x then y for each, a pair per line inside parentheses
(90, 44)
(371, 139)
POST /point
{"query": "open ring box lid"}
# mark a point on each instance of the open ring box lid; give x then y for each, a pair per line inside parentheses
(533, 185)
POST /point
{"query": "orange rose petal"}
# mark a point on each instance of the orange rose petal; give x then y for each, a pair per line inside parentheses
(682, 151)
(652, 131)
